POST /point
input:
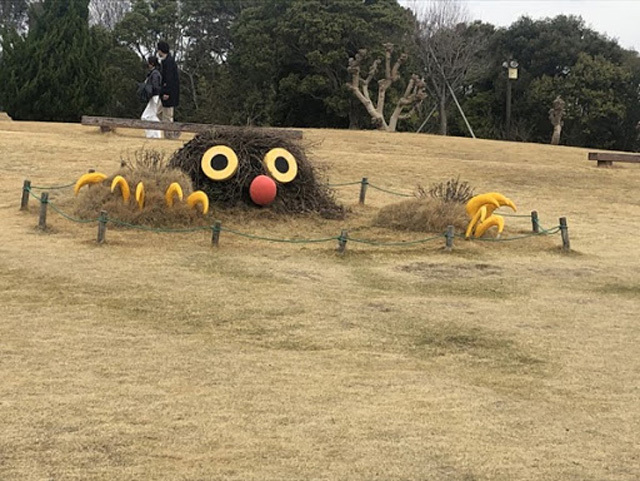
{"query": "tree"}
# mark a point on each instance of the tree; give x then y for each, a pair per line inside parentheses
(53, 73)
(150, 21)
(597, 93)
(199, 35)
(13, 14)
(413, 95)
(548, 52)
(448, 50)
(289, 58)
(556, 113)
(107, 13)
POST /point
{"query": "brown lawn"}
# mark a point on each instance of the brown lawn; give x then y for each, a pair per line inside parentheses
(156, 356)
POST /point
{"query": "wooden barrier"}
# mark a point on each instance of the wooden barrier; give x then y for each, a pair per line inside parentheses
(42, 219)
(448, 236)
(107, 124)
(606, 159)
(342, 241)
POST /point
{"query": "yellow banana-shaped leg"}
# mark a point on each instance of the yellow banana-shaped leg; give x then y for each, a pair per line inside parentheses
(140, 195)
(478, 201)
(91, 178)
(494, 220)
(502, 200)
(173, 190)
(199, 197)
(480, 216)
(119, 181)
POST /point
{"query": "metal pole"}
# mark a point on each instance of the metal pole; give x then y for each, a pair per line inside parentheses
(461, 111)
(508, 109)
(427, 119)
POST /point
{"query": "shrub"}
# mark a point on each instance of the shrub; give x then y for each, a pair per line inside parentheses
(450, 191)
(423, 214)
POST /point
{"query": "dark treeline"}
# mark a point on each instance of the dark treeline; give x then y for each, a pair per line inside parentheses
(284, 63)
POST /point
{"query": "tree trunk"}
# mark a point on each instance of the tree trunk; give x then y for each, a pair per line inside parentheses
(555, 138)
(443, 113)
(354, 120)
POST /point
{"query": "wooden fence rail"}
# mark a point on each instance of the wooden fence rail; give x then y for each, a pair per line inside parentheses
(108, 124)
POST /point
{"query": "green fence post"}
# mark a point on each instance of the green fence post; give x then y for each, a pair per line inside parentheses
(42, 221)
(102, 226)
(215, 233)
(24, 201)
(363, 190)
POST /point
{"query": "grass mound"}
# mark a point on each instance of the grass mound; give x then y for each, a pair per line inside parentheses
(422, 215)
(150, 168)
(305, 194)
(4, 117)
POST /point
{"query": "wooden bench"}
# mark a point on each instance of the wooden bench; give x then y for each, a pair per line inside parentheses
(107, 124)
(606, 159)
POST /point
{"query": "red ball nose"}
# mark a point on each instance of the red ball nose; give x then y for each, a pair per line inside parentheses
(263, 190)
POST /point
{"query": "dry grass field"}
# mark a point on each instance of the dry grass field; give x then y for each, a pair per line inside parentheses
(155, 356)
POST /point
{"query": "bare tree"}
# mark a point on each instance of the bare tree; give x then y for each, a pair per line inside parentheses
(108, 12)
(413, 95)
(448, 51)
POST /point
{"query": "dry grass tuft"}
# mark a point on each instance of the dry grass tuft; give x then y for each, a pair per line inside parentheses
(422, 215)
(150, 168)
(4, 117)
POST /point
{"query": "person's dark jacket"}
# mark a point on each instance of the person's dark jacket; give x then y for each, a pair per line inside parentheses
(170, 82)
(154, 77)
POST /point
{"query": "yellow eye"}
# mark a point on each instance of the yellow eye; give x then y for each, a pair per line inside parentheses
(219, 163)
(281, 164)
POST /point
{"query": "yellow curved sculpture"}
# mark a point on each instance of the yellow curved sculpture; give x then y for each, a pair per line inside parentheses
(480, 210)
(494, 220)
(174, 190)
(140, 195)
(199, 197)
(502, 200)
(91, 178)
(479, 216)
(478, 201)
(119, 181)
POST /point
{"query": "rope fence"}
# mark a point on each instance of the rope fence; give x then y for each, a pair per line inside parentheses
(216, 229)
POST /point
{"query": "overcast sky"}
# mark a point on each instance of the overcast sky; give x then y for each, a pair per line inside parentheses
(619, 19)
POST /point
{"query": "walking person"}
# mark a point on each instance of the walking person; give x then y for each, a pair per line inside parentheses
(154, 79)
(170, 95)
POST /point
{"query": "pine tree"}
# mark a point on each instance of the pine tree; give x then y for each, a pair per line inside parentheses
(54, 72)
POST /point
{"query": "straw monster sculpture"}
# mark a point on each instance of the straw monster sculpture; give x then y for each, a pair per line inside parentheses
(480, 210)
(252, 167)
(247, 168)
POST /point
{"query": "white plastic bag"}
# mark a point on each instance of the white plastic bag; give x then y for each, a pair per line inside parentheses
(151, 113)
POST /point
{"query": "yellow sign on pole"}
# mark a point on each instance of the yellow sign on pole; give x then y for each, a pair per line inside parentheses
(513, 73)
